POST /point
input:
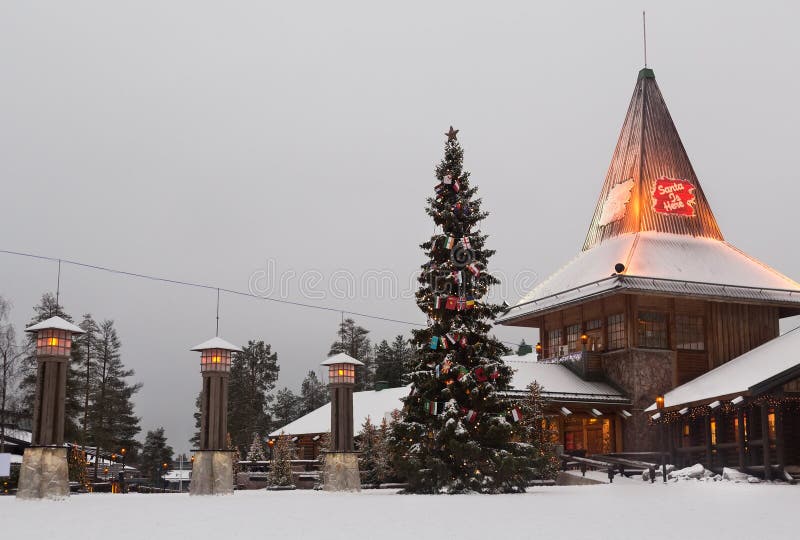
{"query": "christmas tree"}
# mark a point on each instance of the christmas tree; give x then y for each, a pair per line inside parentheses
(256, 452)
(280, 471)
(456, 434)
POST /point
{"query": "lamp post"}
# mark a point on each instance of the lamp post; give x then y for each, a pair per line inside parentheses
(44, 464)
(341, 463)
(123, 452)
(539, 350)
(584, 341)
(212, 472)
(660, 407)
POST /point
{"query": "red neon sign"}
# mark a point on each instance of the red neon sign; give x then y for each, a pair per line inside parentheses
(673, 196)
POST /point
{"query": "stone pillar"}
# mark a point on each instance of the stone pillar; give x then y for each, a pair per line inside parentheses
(212, 473)
(44, 473)
(340, 472)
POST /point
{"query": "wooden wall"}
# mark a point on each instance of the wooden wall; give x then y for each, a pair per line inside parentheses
(730, 329)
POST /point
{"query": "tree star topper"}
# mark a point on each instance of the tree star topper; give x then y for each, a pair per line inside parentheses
(451, 135)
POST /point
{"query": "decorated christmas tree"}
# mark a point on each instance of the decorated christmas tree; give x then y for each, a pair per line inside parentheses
(457, 431)
(280, 472)
(256, 452)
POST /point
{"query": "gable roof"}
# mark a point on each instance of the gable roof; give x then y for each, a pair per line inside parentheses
(373, 403)
(558, 382)
(745, 374)
(665, 245)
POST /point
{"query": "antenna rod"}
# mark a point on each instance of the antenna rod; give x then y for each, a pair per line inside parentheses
(58, 286)
(217, 334)
(644, 36)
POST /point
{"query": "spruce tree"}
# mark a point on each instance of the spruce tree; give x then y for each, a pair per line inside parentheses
(155, 453)
(313, 393)
(456, 433)
(254, 372)
(112, 422)
(286, 407)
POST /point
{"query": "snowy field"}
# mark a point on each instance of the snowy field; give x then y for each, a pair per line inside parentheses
(632, 510)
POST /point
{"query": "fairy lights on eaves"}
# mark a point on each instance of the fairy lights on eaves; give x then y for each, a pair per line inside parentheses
(205, 286)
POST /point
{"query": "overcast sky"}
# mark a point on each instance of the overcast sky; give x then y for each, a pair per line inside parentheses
(201, 140)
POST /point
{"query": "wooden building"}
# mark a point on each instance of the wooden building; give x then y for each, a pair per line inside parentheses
(743, 414)
(584, 416)
(657, 296)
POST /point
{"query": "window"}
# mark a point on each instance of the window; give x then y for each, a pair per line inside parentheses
(573, 337)
(553, 342)
(616, 331)
(653, 330)
(594, 324)
(689, 332)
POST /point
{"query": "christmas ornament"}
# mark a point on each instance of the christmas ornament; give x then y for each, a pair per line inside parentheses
(434, 342)
(516, 414)
(452, 303)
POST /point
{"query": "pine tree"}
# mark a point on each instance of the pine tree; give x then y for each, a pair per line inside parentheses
(155, 453)
(256, 452)
(367, 442)
(456, 434)
(11, 355)
(286, 407)
(392, 368)
(112, 422)
(383, 363)
(313, 393)
(280, 470)
(533, 429)
(254, 372)
(198, 416)
(86, 346)
(353, 341)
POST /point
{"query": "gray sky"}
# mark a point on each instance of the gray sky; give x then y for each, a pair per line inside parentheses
(200, 140)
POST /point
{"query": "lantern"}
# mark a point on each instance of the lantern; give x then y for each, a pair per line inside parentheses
(539, 350)
(584, 339)
(54, 337)
(660, 403)
(215, 355)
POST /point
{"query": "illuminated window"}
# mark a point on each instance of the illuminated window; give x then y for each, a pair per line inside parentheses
(616, 331)
(652, 330)
(771, 423)
(215, 360)
(573, 337)
(713, 431)
(689, 333)
(553, 342)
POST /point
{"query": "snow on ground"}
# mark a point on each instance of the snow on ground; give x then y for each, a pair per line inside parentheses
(613, 511)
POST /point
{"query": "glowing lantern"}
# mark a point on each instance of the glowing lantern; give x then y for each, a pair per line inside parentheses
(342, 369)
(215, 355)
(54, 337)
(660, 402)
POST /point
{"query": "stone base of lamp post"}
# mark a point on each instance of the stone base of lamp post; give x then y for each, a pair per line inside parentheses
(44, 473)
(340, 472)
(212, 473)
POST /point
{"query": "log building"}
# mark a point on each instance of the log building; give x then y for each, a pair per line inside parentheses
(657, 296)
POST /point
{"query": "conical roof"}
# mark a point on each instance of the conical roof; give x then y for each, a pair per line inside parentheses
(653, 230)
(651, 184)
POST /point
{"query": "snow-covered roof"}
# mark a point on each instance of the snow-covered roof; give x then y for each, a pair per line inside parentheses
(740, 375)
(56, 323)
(342, 358)
(18, 434)
(660, 262)
(178, 474)
(216, 343)
(558, 382)
(376, 404)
